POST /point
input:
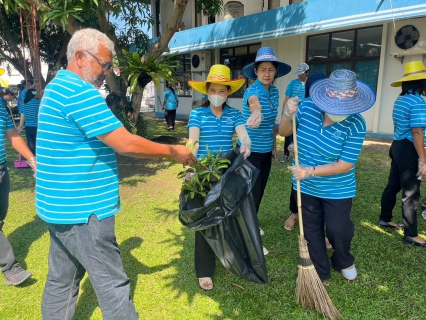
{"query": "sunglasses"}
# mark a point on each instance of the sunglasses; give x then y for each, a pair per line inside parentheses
(105, 66)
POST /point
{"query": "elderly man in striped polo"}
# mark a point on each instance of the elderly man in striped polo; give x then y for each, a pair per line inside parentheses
(77, 186)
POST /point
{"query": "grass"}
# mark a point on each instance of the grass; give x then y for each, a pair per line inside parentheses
(158, 252)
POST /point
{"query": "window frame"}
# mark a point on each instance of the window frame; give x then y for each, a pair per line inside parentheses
(237, 69)
(353, 60)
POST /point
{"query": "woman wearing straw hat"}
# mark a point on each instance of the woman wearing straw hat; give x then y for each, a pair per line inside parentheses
(330, 133)
(213, 125)
(260, 107)
(408, 165)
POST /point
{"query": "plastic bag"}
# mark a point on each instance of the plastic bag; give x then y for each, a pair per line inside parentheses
(227, 219)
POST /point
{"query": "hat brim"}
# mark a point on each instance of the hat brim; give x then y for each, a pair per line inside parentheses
(235, 84)
(413, 77)
(283, 69)
(363, 101)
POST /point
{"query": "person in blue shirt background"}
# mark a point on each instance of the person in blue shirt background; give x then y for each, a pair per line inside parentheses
(11, 269)
(295, 88)
(260, 108)
(213, 125)
(170, 104)
(407, 152)
(330, 133)
(29, 118)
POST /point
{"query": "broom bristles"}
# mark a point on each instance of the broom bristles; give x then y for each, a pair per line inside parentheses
(310, 291)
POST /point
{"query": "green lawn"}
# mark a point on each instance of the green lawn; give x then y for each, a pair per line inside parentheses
(158, 252)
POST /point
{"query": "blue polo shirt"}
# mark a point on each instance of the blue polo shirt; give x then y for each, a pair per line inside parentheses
(5, 124)
(77, 173)
(171, 100)
(21, 98)
(262, 138)
(318, 146)
(215, 133)
(30, 111)
(3, 103)
(296, 88)
(409, 112)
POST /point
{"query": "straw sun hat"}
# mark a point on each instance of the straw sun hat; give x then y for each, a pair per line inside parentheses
(219, 74)
(414, 70)
(266, 54)
(341, 94)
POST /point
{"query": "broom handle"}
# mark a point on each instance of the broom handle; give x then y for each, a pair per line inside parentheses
(296, 157)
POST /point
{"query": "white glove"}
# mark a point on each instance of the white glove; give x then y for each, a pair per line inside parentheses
(302, 172)
(245, 147)
(422, 169)
(254, 120)
(291, 107)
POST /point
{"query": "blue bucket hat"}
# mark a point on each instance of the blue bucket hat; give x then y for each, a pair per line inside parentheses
(266, 54)
(341, 94)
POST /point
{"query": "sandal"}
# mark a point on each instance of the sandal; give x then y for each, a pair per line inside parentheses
(328, 244)
(291, 221)
(206, 283)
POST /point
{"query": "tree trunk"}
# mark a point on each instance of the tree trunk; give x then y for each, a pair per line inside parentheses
(137, 96)
(55, 67)
(172, 26)
(14, 55)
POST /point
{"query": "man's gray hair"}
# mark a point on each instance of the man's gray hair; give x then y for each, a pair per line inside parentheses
(90, 40)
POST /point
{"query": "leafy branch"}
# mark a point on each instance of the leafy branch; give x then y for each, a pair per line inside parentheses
(203, 175)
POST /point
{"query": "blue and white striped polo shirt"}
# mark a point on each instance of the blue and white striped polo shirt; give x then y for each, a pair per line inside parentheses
(5, 124)
(296, 88)
(30, 110)
(318, 146)
(215, 133)
(262, 137)
(77, 174)
(409, 112)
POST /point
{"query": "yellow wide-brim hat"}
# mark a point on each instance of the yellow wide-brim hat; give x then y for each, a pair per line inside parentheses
(219, 74)
(414, 70)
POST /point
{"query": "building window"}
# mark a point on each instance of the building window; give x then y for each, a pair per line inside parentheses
(236, 58)
(357, 50)
(183, 75)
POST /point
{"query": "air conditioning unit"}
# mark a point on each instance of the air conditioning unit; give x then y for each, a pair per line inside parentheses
(200, 61)
(409, 37)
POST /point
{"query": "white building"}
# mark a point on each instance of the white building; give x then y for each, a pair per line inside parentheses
(326, 34)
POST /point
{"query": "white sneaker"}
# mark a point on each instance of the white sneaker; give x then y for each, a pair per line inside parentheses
(262, 233)
(265, 252)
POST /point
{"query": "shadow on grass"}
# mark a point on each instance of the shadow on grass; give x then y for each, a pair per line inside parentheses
(87, 302)
(23, 237)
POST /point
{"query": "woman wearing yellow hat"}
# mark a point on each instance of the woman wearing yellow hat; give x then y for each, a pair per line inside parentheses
(408, 165)
(213, 125)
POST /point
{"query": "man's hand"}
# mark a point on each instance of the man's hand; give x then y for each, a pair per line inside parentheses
(182, 154)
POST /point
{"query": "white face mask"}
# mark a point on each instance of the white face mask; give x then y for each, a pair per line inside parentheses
(335, 118)
(216, 100)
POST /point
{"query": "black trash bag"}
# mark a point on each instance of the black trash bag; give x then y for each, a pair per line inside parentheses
(227, 219)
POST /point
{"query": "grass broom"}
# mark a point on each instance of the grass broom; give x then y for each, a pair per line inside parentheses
(310, 291)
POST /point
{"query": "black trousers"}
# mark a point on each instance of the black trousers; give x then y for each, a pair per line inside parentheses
(170, 116)
(288, 141)
(402, 176)
(205, 258)
(7, 257)
(31, 134)
(293, 200)
(335, 214)
(263, 162)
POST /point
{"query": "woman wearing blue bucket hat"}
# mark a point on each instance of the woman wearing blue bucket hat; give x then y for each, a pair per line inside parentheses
(330, 133)
(260, 107)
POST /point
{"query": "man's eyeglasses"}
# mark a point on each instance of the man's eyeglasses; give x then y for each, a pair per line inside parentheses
(106, 66)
